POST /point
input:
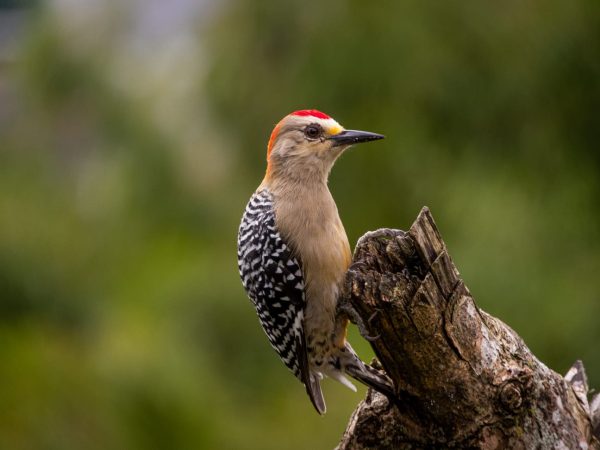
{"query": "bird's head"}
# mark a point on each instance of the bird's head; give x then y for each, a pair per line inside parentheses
(306, 143)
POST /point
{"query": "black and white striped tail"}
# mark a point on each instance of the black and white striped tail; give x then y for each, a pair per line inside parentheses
(367, 375)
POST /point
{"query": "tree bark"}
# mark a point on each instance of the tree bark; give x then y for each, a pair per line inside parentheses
(463, 378)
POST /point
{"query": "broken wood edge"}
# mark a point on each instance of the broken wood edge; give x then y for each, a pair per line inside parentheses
(424, 241)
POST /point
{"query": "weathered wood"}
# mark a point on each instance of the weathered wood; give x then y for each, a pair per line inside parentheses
(463, 378)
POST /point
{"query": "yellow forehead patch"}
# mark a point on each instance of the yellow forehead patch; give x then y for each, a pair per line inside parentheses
(334, 129)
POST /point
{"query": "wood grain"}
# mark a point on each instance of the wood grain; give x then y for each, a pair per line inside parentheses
(463, 378)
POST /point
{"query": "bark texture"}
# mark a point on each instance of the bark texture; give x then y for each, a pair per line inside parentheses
(463, 378)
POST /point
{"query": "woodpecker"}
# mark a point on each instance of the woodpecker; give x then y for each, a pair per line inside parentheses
(293, 253)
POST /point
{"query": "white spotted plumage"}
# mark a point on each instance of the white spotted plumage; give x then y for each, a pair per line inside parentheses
(273, 279)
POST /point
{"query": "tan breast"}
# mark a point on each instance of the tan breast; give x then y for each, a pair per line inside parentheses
(308, 219)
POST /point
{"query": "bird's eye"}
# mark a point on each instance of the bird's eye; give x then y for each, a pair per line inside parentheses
(312, 131)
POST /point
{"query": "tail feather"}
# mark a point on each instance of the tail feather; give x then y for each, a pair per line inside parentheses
(339, 376)
(313, 389)
(367, 375)
(371, 378)
(311, 380)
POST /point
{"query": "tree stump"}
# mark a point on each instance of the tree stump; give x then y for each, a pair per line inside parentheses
(463, 379)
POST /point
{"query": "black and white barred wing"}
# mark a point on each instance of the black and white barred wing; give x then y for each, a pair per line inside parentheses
(274, 282)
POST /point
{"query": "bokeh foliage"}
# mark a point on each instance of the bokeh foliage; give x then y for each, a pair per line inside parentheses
(122, 320)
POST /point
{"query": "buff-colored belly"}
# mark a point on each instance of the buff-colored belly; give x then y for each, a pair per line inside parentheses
(320, 241)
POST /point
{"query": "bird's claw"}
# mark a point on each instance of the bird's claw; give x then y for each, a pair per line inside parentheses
(353, 315)
(381, 232)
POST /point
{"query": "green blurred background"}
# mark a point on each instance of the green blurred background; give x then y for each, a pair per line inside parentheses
(132, 133)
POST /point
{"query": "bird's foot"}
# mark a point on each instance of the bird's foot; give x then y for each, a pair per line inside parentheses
(387, 233)
(347, 309)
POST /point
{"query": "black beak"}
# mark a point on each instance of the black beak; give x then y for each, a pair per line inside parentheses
(349, 137)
